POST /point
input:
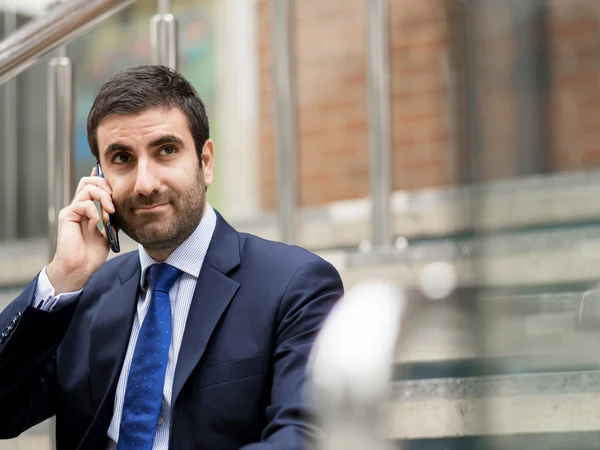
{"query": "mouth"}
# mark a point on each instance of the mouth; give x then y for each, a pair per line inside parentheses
(151, 208)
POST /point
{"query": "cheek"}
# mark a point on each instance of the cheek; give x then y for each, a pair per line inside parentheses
(121, 191)
(182, 186)
(185, 181)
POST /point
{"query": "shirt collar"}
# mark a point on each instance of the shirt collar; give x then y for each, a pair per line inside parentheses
(189, 256)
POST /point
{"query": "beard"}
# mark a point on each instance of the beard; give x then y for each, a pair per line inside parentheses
(166, 229)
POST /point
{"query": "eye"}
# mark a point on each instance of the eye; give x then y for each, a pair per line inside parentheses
(121, 158)
(168, 150)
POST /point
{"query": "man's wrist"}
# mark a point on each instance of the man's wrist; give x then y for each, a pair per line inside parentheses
(64, 280)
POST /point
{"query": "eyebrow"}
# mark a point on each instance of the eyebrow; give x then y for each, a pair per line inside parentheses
(162, 140)
(167, 139)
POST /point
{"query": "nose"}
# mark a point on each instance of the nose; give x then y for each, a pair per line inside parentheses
(147, 180)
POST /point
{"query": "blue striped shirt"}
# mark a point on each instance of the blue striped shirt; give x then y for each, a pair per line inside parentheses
(188, 257)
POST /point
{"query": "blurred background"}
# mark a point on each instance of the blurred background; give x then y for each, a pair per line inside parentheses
(482, 115)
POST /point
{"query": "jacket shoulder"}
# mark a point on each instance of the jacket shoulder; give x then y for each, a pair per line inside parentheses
(275, 257)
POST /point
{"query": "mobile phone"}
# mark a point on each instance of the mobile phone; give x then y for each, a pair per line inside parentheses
(111, 233)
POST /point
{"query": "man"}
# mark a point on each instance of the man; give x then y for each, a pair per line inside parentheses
(197, 341)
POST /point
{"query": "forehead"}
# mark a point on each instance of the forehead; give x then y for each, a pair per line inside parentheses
(143, 126)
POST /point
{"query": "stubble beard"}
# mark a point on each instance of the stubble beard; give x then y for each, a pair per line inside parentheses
(165, 230)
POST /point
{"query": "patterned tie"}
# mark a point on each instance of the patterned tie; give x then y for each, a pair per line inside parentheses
(143, 396)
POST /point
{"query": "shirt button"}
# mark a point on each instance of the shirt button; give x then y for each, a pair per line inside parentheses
(160, 421)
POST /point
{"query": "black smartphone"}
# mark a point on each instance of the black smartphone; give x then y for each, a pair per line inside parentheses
(111, 233)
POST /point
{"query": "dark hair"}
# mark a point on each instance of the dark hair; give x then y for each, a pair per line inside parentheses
(136, 90)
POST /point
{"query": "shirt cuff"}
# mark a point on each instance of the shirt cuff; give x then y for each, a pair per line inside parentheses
(44, 297)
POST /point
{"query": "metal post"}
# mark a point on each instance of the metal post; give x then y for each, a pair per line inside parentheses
(379, 119)
(469, 12)
(477, 170)
(285, 114)
(163, 36)
(164, 6)
(9, 185)
(60, 139)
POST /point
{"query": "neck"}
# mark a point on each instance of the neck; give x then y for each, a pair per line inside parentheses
(160, 255)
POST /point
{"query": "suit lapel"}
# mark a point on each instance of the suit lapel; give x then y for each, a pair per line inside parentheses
(111, 329)
(213, 293)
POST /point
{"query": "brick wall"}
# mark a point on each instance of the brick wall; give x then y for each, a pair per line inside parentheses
(332, 102)
(576, 55)
(421, 97)
(430, 123)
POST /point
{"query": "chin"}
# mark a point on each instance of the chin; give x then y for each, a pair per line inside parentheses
(158, 242)
(157, 235)
(151, 234)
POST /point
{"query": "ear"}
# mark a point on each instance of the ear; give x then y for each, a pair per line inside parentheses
(207, 161)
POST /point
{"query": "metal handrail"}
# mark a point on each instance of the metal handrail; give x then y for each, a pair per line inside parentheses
(64, 23)
(350, 367)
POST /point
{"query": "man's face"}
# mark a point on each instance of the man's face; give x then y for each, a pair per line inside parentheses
(151, 164)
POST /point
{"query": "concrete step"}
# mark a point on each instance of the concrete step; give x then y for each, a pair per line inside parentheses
(503, 405)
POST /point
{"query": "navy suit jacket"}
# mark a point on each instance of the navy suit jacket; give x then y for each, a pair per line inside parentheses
(239, 379)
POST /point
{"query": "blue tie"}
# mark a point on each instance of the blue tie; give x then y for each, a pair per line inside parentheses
(143, 395)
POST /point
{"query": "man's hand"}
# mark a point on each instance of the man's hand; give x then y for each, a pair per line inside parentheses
(80, 247)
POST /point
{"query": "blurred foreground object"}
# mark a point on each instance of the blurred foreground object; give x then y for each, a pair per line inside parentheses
(351, 366)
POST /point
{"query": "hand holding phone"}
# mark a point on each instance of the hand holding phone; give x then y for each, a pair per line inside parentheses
(111, 233)
(81, 248)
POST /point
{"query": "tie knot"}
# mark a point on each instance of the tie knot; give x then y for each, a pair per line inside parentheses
(162, 277)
